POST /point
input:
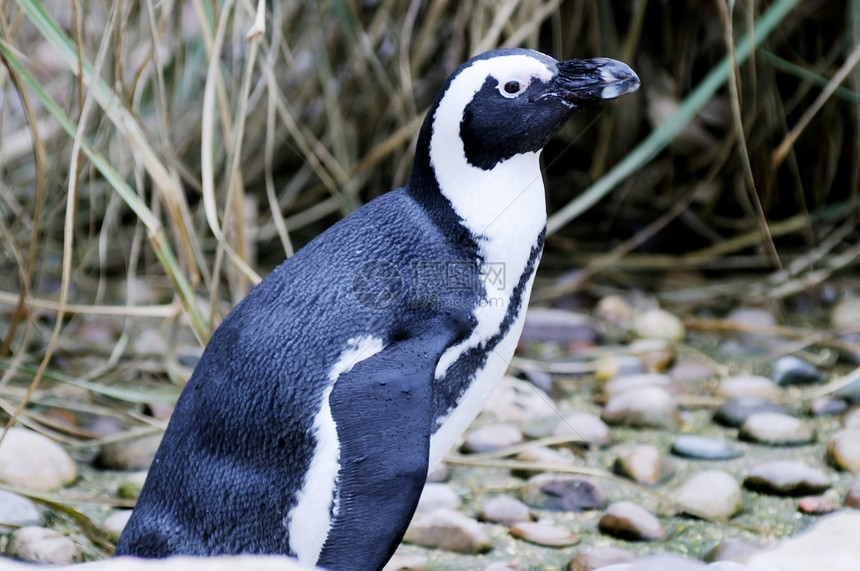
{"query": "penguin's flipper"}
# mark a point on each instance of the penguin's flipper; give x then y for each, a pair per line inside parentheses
(382, 411)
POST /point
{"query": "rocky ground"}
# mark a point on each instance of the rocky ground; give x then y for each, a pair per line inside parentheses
(622, 433)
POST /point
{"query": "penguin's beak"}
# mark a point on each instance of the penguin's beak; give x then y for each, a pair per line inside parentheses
(582, 81)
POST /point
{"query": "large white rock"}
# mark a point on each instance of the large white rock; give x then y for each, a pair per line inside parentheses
(34, 462)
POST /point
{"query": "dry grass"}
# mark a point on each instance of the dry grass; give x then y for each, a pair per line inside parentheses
(156, 158)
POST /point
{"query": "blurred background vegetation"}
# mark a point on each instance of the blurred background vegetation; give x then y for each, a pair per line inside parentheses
(156, 158)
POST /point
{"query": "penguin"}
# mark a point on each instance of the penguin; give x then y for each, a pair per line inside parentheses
(329, 392)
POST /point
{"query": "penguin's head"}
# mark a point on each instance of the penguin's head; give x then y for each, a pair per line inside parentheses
(512, 101)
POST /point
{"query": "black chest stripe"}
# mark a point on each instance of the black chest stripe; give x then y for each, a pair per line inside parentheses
(448, 390)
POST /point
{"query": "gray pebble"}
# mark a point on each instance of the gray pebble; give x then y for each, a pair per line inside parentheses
(843, 450)
(703, 448)
(440, 473)
(448, 530)
(735, 411)
(748, 386)
(776, 429)
(435, 496)
(648, 407)
(643, 464)
(18, 511)
(786, 478)
(505, 510)
(825, 406)
(34, 462)
(599, 557)
(491, 438)
(712, 493)
(586, 427)
(542, 534)
(626, 520)
(42, 545)
(689, 371)
(790, 370)
(562, 492)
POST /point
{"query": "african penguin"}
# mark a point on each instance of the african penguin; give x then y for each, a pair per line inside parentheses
(328, 393)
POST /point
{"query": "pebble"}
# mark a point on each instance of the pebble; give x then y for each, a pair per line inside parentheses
(735, 411)
(843, 450)
(615, 310)
(542, 534)
(690, 371)
(732, 550)
(846, 313)
(435, 496)
(816, 505)
(712, 493)
(825, 406)
(129, 487)
(133, 454)
(115, 523)
(599, 557)
(406, 563)
(515, 400)
(643, 464)
(648, 407)
(625, 383)
(448, 530)
(540, 455)
(790, 370)
(852, 419)
(655, 354)
(626, 520)
(440, 473)
(609, 366)
(786, 478)
(492, 437)
(830, 544)
(658, 324)
(18, 511)
(42, 545)
(563, 492)
(852, 496)
(776, 429)
(34, 462)
(558, 325)
(741, 386)
(703, 448)
(587, 427)
(505, 510)
(752, 317)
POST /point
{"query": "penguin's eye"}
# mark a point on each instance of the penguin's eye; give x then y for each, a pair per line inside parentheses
(512, 88)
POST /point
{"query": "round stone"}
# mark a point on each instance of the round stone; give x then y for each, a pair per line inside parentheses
(623, 384)
(658, 324)
(742, 386)
(735, 411)
(644, 464)
(703, 448)
(448, 530)
(33, 462)
(786, 478)
(44, 546)
(843, 450)
(627, 520)
(437, 495)
(17, 511)
(790, 370)
(712, 493)
(542, 534)
(776, 429)
(586, 427)
(491, 438)
(505, 510)
(648, 407)
(562, 492)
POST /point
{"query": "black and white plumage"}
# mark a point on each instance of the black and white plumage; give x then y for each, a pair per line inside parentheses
(326, 395)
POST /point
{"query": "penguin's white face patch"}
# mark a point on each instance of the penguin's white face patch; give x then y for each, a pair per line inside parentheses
(310, 520)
